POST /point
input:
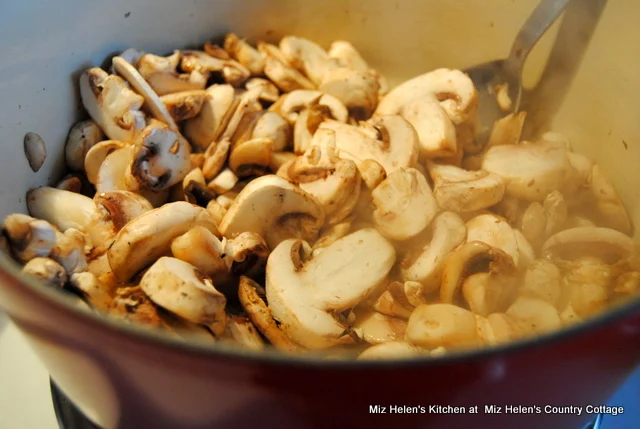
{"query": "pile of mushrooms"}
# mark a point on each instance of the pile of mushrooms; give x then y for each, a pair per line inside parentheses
(282, 195)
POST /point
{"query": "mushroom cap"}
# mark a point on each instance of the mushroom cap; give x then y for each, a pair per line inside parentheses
(185, 104)
(148, 237)
(530, 171)
(455, 90)
(270, 203)
(64, 209)
(181, 289)
(404, 204)
(29, 237)
(389, 140)
(82, 137)
(96, 155)
(460, 190)
(111, 104)
(304, 295)
(496, 232)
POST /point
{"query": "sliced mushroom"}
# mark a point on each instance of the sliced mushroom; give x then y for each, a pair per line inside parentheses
(307, 57)
(539, 313)
(333, 233)
(531, 171)
(496, 232)
(611, 210)
(605, 243)
(202, 249)
(293, 213)
(28, 237)
(223, 182)
(534, 223)
(306, 126)
(305, 295)
(290, 105)
(244, 53)
(390, 350)
(83, 136)
(436, 132)
(389, 305)
(286, 78)
(241, 331)
(69, 251)
(506, 328)
(269, 92)
(346, 55)
(251, 158)
(246, 254)
(389, 140)
(556, 212)
(184, 105)
(46, 270)
(507, 130)
(435, 325)
(232, 71)
(214, 115)
(484, 274)
(377, 328)
(162, 75)
(404, 204)
(97, 293)
(273, 126)
(425, 265)
(215, 158)
(459, 190)
(216, 211)
(111, 104)
(357, 90)
(260, 315)
(181, 289)
(96, 155)
(627, 285)
(149, 236)
(588, 284)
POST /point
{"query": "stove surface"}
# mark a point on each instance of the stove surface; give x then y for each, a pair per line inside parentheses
(29, 400)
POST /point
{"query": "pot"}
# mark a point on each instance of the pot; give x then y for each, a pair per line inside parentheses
(124, 376)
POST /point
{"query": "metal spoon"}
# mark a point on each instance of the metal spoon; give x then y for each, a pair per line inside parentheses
(509, 71)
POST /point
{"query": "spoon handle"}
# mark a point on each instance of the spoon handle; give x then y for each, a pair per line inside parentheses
(544, 15)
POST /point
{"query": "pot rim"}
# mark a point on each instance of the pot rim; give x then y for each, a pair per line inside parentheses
(271, 356)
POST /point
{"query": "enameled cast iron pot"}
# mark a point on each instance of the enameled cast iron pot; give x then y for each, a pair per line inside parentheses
(126, 377)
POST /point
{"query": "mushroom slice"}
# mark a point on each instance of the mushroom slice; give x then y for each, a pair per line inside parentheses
(244, 53)
(612, 213)
(111, 104)
(333, 233)
(97, 293)
(162, 158)
(452, 88)
(251, 158)
(404, 204)
(460, 190)
(534, 223)
(46, 270)
(390, 350)
(306, 126)
(273, 126)
(425, 265)
(260, 315)
(181, 289)
(286, 78)
(82, 137)
(539, 313)
(223, 182)
(215, 158)
(70, 250)
(357, 90)
(184, 105)
(389, 305)
(290, 105)
(506, 328)
(162, 75)
(146, 238)
(605, 243)
(202, 249)
(275, 209)
(96, 155)
(530, 171)
(507, 130)
(306, 294)
(495, 232)
(588, 285)
(436, 132)
(233, 72)
(214, 115)
(246, 254)
(377, 328)
(347, 55)
(29, 237)
(307, 57)
(556, 212)
(247, 103)
(447, 325)
(152, 101)
(64, 209)
(269, 92)
(485, 293)
(389, 140)
(243, 332)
